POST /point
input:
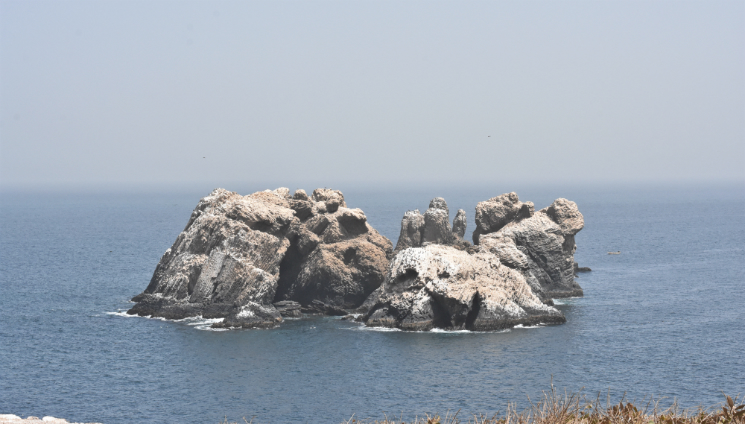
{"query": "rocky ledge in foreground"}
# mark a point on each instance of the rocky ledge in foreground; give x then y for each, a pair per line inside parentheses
(520, 260)
(253, 259)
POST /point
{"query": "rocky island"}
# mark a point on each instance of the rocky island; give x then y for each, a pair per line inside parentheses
(255, 259)
(251, 259)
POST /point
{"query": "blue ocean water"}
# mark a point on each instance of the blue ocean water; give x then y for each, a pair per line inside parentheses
(665, 318)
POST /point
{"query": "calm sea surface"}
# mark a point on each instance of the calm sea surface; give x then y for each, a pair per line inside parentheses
(666, 318)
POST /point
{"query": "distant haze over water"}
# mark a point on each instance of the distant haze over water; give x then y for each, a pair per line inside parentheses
(407, 92)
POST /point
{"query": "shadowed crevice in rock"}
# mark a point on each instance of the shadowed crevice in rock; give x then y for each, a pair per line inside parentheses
(289, 269)
(349, 256)
(474, 312)
(409, 275)
(440, 316)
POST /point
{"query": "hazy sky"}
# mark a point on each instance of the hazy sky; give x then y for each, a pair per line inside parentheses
(399, 92)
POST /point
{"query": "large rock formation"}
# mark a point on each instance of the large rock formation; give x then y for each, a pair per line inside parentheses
(255, 259)
(444, 287)
(521, 259)
(240, 254)
(538, 244)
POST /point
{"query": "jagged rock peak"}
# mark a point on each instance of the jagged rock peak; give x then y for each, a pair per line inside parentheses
(282, 192)
(333, 199)
(229, 254)
(432, 227)
(300, 194)
(412, 230)
(439, 203)
(460, 224)
(495, 213)
(566, 213)
(437, 223)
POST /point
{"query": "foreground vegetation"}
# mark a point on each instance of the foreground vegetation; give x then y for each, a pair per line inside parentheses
(554, 408)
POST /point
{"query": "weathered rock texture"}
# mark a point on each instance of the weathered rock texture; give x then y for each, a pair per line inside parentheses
(538, 244)
(521, 259)
(444, 287)
(240, 254)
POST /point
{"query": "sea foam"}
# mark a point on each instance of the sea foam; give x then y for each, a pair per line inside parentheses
(198, 322)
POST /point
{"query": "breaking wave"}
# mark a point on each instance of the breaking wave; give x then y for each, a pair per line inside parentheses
(197, 322)
(539, 325)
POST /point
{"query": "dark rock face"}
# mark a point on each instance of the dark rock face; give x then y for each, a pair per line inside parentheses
(337, 258)
(240, 254)
(538, 244)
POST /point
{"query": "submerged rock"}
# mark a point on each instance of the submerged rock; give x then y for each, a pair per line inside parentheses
(251, 315)
(288, 308)
(318, 307)
(578, 268)
(239, 256)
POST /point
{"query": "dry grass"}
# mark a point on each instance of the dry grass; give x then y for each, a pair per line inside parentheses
(555, 408)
